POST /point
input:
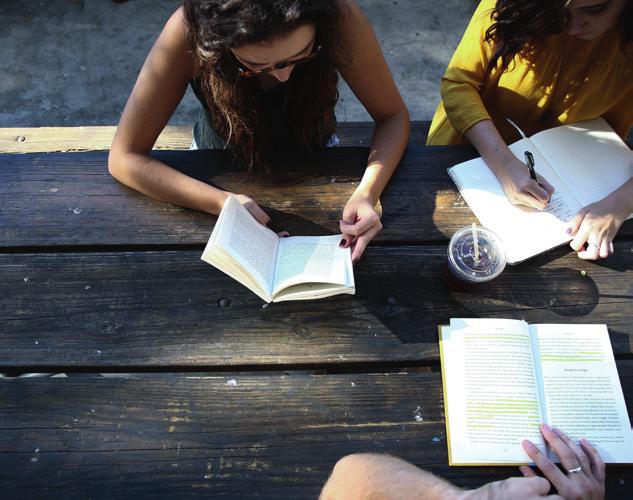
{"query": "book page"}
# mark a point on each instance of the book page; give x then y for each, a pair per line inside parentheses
(491, 390)
(310, 259)
(251, 244)
(583, 395)
(589, 156)
(524, 233)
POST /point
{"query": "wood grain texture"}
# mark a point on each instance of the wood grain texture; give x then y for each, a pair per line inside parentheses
(89, 138)
(170, 309)
(99, 138)
(239, 436)
(43, 195)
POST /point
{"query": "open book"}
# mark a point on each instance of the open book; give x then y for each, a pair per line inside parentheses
(584, 162)
(503, 377)
(276, 269)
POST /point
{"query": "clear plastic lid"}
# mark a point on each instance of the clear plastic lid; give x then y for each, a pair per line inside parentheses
(462, 258)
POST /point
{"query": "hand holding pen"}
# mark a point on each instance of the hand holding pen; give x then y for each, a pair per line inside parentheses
(533, 191)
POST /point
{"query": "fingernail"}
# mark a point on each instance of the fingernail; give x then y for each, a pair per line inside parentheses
(545, 426)
(568, 230)
(286, 235)
(528, 444)
(342, 244)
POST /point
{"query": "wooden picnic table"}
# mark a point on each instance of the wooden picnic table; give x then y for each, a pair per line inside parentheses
(179, 381)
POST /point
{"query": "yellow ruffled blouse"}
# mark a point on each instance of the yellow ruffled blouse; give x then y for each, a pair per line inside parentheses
(567, 80)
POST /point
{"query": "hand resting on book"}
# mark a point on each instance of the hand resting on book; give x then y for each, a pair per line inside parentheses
(596, 225)
(585, 470)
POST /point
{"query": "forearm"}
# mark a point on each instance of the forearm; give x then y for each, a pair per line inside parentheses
(365, 476)
(485, 137)
(387, 146)
(155, 179)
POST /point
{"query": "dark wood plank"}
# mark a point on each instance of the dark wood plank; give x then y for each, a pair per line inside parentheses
(360, 133)
(240, 436)
(144, 309)
(43, 195)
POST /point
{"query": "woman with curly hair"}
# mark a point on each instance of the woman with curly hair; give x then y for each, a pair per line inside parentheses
(542, 63)
(266, 74)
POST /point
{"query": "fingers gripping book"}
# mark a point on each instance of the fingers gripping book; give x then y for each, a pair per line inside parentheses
(274, 268)
(503, 377)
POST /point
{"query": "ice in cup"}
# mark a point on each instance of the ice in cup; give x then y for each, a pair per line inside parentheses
(476, 254)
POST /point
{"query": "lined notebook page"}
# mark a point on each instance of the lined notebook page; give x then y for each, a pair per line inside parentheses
(589, 156)
(524, 234)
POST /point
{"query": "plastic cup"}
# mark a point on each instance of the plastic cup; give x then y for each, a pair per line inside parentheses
(462, 260)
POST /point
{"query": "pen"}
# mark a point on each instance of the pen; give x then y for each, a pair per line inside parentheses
(529, 161)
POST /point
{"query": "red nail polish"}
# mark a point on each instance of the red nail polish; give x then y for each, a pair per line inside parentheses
(342, 244)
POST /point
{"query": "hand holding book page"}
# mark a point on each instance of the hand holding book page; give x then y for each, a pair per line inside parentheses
(502, 377)
(293, 268)
(581, 388)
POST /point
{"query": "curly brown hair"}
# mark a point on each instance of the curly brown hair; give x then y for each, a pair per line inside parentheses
(520, 24)
(216, 26)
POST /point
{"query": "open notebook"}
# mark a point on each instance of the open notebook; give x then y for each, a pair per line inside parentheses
(503, 377)
(584, 162)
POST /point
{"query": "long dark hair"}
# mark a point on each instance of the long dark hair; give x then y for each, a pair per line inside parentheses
(216, 26)
(520, 24)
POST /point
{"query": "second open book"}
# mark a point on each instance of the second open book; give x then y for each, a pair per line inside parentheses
(277, 269)
(503, 377)
(584, 162)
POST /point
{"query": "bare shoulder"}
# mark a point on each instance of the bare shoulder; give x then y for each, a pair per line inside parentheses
(353, 16)
(175, 30)
(173, 47)
(357, 29)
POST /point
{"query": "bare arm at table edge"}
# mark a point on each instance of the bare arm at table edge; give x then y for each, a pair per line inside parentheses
(372, 83)
(369, 77)
(159, 89)
(365, 476)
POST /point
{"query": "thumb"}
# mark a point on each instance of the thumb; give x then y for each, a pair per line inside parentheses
(537, 485)
(258, 213)
(574, 224)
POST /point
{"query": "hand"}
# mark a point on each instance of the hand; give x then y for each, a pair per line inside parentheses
(596, 224)
(516, 487)
(587, 483)
(521, 189)
(359, 225)
(253, 208)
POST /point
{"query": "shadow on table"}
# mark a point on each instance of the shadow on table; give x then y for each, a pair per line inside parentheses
(415, 300)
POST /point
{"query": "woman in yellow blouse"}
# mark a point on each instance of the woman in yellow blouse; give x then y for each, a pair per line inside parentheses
(542, 63)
